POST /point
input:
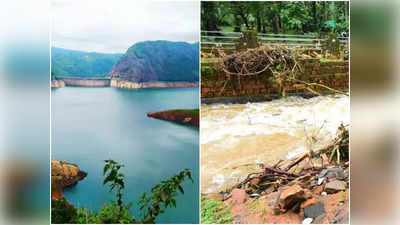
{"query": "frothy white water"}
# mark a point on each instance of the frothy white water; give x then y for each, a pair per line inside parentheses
(277, 128)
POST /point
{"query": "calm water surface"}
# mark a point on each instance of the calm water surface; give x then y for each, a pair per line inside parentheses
(90, 125)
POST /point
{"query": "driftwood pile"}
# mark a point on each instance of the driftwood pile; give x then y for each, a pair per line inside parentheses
(259, 60)
(275, 176)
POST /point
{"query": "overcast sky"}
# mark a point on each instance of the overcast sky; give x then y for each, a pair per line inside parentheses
(112, 26)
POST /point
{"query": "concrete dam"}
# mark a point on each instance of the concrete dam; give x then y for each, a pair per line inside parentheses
(85, 82)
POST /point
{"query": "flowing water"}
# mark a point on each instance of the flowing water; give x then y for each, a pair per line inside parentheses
(90, 125)
(236, 138)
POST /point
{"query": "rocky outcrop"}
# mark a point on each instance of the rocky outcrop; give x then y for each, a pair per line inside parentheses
(135, 85)
(190, 117)
(57, 83)
(63, 175)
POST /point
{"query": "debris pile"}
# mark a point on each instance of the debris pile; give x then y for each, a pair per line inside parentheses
(312, 188)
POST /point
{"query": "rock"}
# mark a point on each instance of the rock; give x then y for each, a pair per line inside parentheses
(318, 190)
(291, 196)
(344, 220)
(309, 202)
(239, 196)
(255, 195)
(307, 194)
(273, 199)
(254, 181)
(336, 172)
(313, 211)
(335, 186)
(307, 221)
(320, 219)
(320, 180)
(64, 174)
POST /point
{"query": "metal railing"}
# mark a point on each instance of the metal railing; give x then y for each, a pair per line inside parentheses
(266, 39)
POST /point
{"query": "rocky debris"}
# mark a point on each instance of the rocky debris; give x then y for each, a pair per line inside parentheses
(336, 172)
(320, 219)
(273, 199)
(318, 190)
(64, 174)
(313, 211)
(309, 202)
(315, 191)
(335, 186)
(239, 196)
(291, 197)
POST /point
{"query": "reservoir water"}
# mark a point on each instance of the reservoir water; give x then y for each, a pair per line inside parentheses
(90, 125)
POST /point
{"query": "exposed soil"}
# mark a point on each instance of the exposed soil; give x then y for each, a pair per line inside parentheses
(189, 117)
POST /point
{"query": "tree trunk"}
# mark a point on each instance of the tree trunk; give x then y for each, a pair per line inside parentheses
(276, 25)
(324, 11)
(315, 16)
(258, 21)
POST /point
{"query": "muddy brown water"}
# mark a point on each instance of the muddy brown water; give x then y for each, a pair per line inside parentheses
(236, 138)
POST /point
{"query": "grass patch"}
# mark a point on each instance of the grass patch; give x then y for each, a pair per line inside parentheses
(330, 60)
(209, 60)
(214, 212)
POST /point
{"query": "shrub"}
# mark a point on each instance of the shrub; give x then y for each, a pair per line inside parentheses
(62, 212)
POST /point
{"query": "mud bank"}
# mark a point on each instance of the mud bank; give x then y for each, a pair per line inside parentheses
(190, 117)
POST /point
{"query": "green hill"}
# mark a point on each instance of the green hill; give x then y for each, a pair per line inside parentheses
(159, 61)
(74, 63)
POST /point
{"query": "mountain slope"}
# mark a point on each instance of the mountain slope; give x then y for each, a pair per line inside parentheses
(165, 61)
(74, 63)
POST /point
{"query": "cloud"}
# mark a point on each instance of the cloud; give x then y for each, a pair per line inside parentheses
(113, 26)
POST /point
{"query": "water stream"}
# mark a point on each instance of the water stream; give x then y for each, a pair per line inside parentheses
(236, 138)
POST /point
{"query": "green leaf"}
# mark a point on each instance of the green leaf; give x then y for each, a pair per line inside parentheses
(106, 167)
(181, 189)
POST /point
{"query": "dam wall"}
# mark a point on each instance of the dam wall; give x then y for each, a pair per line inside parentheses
(84, 82)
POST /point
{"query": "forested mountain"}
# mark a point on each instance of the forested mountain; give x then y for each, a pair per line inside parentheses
(74, 63)
(159, 61)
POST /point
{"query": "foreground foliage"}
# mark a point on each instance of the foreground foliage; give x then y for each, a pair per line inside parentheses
(151, 205)
(214, 212)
